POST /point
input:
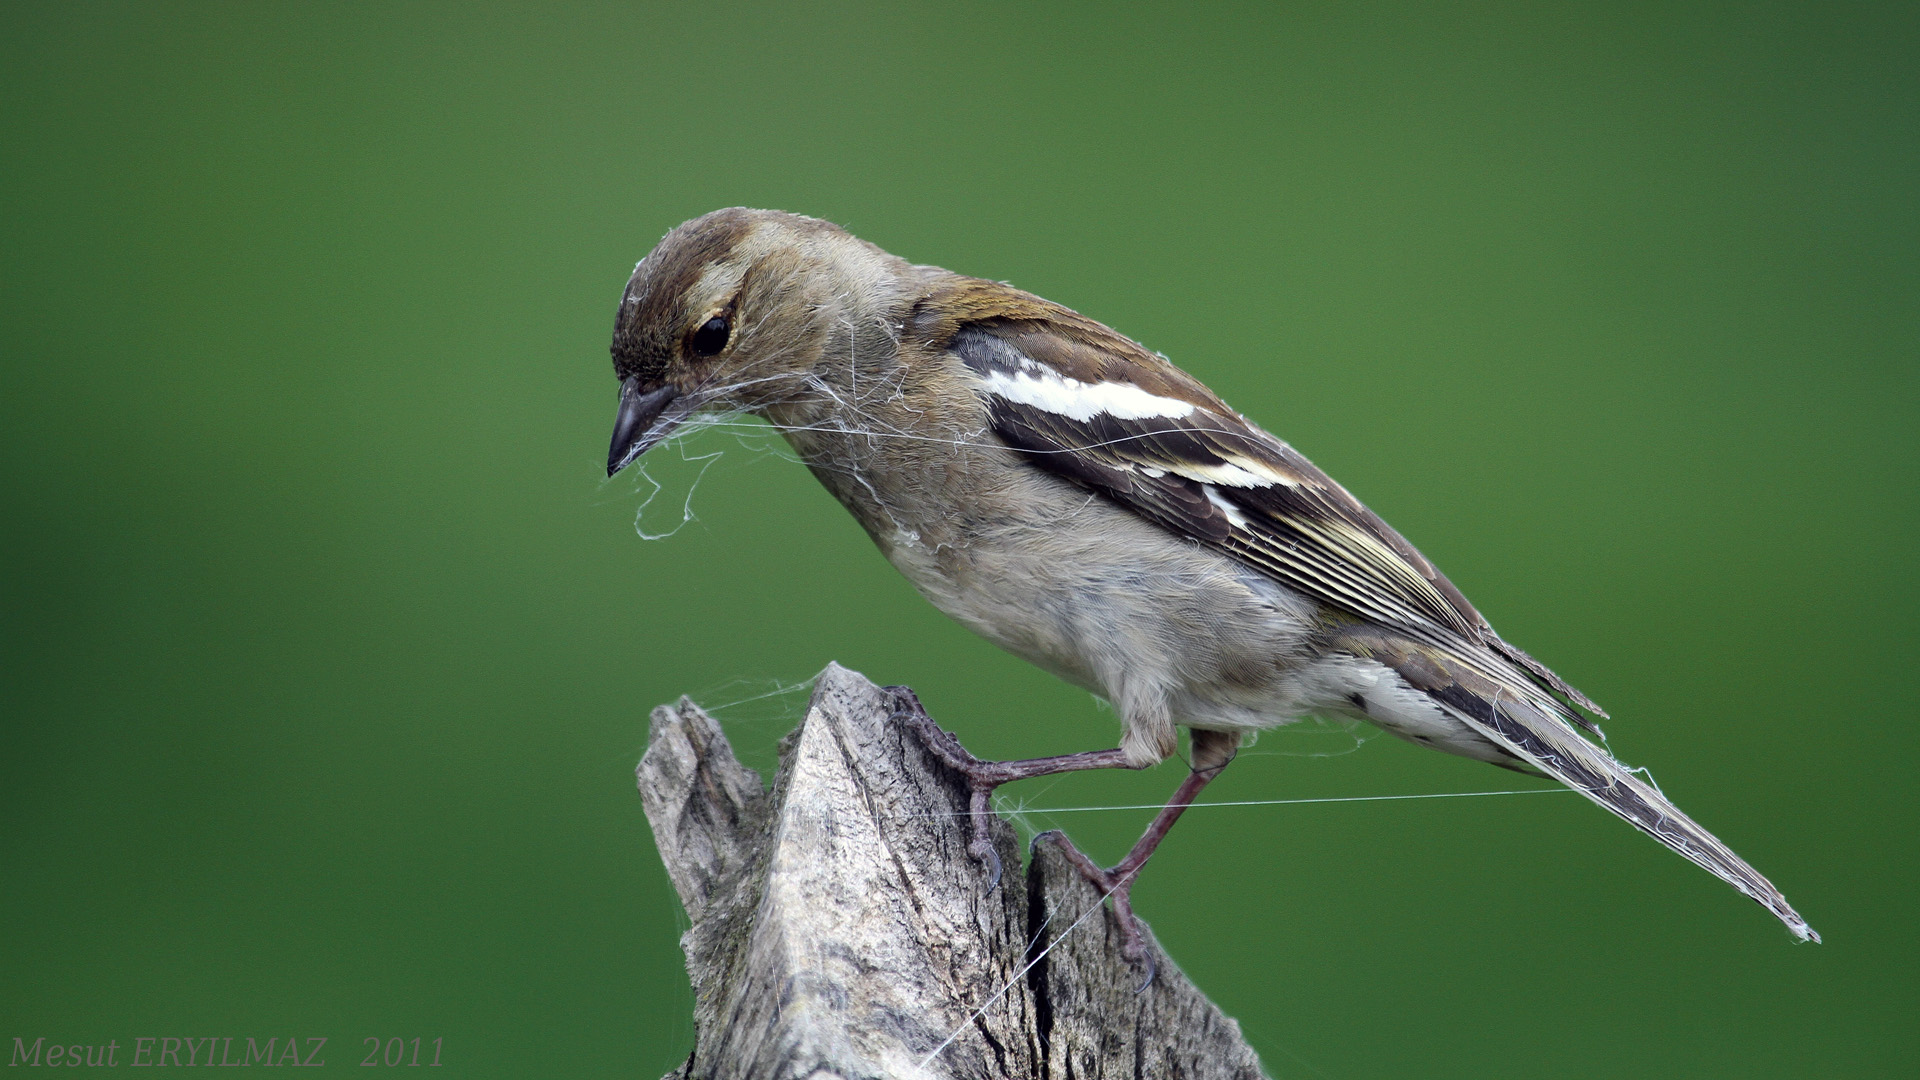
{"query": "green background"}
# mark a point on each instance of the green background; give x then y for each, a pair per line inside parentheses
(328, 650)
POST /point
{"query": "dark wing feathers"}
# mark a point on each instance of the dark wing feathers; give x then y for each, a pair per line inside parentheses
(1209, 474)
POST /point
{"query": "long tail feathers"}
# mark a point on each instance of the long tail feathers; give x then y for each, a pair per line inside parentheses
(1551, 745)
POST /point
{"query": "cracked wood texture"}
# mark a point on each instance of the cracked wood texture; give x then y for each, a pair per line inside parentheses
(839, 928)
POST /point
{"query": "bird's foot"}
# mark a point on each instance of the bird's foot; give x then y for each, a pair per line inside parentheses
(981, 780)
(984, 776)
(1116, 885)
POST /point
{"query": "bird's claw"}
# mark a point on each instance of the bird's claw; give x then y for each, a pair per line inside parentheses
(1152, 970)
(1118, 889)
(982, 777)
(942, 744)
(992, 859)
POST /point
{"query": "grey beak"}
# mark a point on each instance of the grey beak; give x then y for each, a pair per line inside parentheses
(635, 430)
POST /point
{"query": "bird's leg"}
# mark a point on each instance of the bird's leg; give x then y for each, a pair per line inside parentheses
(1212, 750)
(984, 776)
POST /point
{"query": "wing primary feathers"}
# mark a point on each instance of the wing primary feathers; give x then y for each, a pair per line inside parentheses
(1179, 456)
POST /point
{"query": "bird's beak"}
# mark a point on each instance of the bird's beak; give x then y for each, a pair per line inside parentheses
(645, 417)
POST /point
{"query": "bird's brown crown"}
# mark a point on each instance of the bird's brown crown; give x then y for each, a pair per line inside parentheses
(736, 265)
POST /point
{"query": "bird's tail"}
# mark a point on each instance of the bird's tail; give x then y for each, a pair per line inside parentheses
(1531, 728)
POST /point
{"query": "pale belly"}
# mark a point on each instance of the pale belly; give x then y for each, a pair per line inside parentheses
(1168, 632)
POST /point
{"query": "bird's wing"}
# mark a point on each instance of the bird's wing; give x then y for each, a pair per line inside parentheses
(1089, 404)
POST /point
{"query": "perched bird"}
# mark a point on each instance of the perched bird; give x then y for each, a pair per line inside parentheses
(1084, 504)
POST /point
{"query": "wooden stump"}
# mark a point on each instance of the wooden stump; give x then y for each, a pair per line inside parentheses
(839, 928)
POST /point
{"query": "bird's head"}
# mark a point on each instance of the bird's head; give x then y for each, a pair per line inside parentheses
(733, 312)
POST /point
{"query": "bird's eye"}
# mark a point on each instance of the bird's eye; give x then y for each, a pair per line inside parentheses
(711, 337)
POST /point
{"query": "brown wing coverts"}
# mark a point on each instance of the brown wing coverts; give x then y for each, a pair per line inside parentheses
(1295, 524)
(1311, 535)
(1298, 525)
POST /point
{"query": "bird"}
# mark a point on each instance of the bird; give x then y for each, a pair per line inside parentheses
(1078, 500)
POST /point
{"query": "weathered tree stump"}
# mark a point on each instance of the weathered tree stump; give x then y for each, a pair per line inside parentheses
(841, 930)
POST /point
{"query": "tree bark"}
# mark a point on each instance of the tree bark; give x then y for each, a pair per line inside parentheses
(839, 928)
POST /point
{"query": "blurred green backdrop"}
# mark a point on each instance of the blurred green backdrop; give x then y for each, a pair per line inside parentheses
(328, 651)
